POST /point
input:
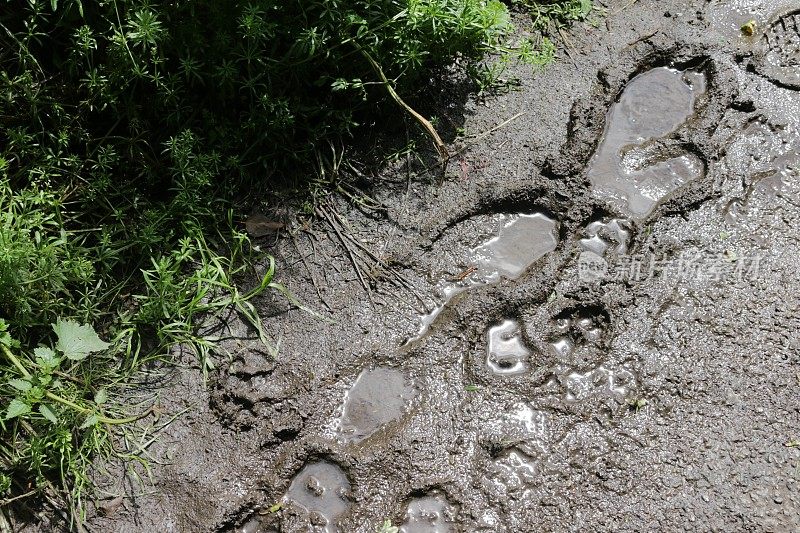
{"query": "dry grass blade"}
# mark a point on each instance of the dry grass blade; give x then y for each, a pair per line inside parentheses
(322, 213)
(425, 123)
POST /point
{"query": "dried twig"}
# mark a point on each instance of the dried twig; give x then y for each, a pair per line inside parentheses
(323, 214)
(310, 272)
(425, 123)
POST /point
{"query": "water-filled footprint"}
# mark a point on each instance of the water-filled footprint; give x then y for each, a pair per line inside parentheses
(378, 396)
(322, 490)
(506, 353)
(522, 240)
(632, 169)
(427, 514)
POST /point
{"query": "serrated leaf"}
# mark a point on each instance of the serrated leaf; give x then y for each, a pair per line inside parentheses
(100, 397)
(36, 393)
(45, 357)
(17, 408)
(22, 385)
(5, 336)
(48, 413)
(76, 341)
(90, 421)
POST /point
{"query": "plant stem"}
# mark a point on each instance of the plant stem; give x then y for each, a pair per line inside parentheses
(56, 398)
(425, 123)
(100, 418)
(16, 361)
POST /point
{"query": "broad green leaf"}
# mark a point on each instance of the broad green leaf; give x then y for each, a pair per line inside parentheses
(76, 341)
(48, 413)
(90, 421)
(17, 408)
(100, 397)
(22, 385)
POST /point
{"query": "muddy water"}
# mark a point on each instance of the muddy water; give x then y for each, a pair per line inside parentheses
(321, 490)
(506, 351)
(521, 425)
(633, 170)
(522, 240)
(601, 236)
(377, 397)
(427, 514)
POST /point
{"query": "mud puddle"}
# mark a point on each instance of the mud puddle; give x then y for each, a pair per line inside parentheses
(522, 240)
(506, 350)
(635, 166)
(376, 398)
(322, 491)
(428, 514)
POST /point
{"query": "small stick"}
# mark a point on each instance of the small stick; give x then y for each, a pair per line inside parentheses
(310, 272)
(425, 123)
(395, 278)
(464, 275)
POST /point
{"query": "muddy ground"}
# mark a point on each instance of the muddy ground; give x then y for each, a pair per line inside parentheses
(591, 322)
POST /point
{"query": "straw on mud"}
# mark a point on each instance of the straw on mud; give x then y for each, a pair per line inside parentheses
(476, 140)
(392, 275)
(310, 272)
(322, 213)
(568, 43)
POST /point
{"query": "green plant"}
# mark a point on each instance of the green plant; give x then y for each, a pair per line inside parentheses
(637, 403)
(387, 527)
(39, 263)
(550, 16)
(193, 283)
(538, 54)
(56, 418)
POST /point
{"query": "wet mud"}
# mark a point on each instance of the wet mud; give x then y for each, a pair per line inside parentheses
(591, 323)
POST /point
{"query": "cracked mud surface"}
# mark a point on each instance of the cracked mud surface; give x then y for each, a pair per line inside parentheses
(592, 323)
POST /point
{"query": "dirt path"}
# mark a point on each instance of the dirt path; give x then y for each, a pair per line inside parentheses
(592, 324)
